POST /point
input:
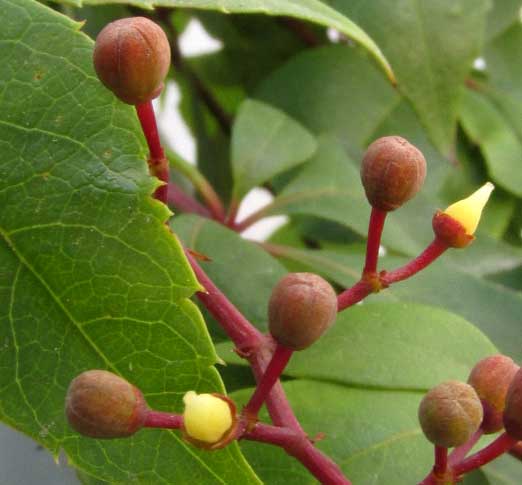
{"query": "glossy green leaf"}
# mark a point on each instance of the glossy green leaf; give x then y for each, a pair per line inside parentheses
(265, 143)
(90, 275)
(398, 334)
(241, 269)
(501, 147)
(429, 52)
(505, 470)
(315, 11)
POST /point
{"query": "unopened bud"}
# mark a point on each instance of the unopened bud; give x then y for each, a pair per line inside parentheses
(392, 172)
(132, 58)
(209, 420)
(456, 225)
(301, 308)
(513, 408)
(491, 378)
(101, 404)
(450, 413)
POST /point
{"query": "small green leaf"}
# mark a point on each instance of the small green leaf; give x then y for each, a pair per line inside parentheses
(501, 147)
(265, 143)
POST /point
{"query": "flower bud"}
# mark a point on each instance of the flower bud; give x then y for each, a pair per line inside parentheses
(450, 413)
(132, 58)
(209, 420)
(301, 308)
(392, 172)
(491, 378)
(513, 407)
(456, 225)
(101, 404)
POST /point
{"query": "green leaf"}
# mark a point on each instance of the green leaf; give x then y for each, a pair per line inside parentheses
(505, 470)
(265, 143)
(344, 94)
(90, 276)
(373, 435)
(501, 147)
(398, 334)
(502, 56)
(491, 307)
(431, 57)
(315, 11)
(241, 269)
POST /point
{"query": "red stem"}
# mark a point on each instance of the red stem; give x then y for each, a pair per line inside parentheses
(275, 368)
(501, 445)
(352, 295)
(157, 419)
(460, 452)
(326, 471)
(150, 129)
(375, 227)
(430, 254)
(184, 202)
(516, 451)
(158, 163)
(253, 344)
(238, 328)
(441, 460)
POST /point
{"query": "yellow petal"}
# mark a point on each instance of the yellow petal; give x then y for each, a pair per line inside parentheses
(468, 211)
(206, 417)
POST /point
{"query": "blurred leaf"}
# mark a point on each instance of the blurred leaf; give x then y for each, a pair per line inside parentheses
(501, 147)
(502, 57)
(397, 333)
(241, 269)
(503, 15)
(265, 142)
(89, 275)
(431, 57)
(505, 470)
(344, 94)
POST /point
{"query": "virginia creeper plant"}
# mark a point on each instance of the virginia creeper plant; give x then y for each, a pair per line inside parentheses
(374, 338)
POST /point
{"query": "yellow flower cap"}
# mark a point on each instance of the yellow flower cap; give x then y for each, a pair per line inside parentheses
(468, 211)
(207, 417)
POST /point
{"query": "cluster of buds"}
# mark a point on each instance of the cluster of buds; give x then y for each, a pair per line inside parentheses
(456, 414)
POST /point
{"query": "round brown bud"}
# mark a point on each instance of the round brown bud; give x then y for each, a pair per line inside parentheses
(491, 378)
(450, 413)
(302, 307)
(132, 58)
(513, 407)
(392, 172)
(101, 404)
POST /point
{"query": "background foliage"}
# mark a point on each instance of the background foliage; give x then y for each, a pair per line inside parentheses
(91, 278)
